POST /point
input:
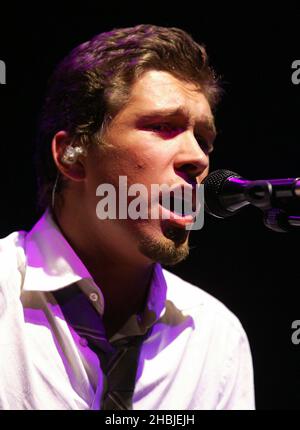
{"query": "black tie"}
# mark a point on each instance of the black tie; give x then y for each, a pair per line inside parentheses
(119, 360)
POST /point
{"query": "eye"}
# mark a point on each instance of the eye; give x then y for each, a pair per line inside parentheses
(161, 128)
(165, 129)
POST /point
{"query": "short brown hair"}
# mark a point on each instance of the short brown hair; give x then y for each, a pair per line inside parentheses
(93, 83)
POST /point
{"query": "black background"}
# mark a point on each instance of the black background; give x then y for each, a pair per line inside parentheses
(251, 269)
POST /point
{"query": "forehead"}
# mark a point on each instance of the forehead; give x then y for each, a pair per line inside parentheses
(159, 91)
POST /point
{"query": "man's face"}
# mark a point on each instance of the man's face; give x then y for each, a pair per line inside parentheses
(162, 136)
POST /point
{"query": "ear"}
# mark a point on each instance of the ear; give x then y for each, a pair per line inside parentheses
(74, 171)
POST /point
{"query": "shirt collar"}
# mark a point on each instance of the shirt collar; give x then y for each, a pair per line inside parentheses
(52, 264)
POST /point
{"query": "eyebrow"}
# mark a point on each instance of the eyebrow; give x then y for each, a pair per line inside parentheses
(207, 122)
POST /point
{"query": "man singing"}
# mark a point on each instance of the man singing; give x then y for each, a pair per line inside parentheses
(88, 317)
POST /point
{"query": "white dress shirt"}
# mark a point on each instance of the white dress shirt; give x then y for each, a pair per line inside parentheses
(197, 356)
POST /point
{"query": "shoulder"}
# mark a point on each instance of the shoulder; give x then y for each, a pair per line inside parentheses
(217, 342)
(12, 261)
(202, 306)
(12, 249)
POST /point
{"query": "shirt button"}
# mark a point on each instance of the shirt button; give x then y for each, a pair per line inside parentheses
(93, 297)
(83, 341)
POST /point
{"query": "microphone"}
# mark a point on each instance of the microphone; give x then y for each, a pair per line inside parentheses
(226, 192)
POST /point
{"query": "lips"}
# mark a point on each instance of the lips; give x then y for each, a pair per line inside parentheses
(179, 205)
(181, 199)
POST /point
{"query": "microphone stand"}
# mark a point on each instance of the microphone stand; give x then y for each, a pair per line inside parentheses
(280, 207)
(280, 221)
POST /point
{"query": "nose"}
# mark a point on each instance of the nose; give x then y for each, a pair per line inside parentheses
(191, 160)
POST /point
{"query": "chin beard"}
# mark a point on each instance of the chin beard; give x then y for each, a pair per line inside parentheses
(168, 250)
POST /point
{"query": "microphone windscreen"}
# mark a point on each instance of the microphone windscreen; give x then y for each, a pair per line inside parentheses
(213, 185)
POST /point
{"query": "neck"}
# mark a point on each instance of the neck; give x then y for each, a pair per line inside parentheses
(124, 279)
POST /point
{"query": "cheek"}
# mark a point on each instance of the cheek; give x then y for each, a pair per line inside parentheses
(139, 163)
(136, 169)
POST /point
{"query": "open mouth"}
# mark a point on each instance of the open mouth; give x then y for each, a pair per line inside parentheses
(181, 201)
(180, 206)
